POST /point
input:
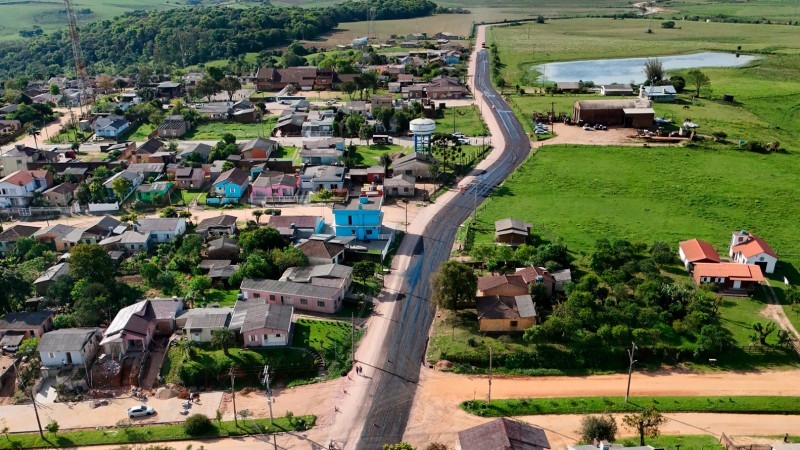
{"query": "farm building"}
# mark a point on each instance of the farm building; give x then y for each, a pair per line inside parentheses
(731, 277)
(696, 251)
(747, 248)
(616, 89)
(628, 113)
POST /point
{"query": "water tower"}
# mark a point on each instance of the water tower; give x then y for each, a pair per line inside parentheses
(422, 130)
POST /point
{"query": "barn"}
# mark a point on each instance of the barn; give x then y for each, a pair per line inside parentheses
(633, 113)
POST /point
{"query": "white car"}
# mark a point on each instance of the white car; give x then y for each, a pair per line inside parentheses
(140, 411)
(463, 141)
(458, 135)
(331, 102)
(588, 128)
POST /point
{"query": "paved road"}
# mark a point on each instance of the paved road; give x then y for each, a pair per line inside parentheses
(395, 364)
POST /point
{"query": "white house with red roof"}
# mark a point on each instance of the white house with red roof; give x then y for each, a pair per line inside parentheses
(696, 251)
(16, 190)
(748, 248)
(731, 277)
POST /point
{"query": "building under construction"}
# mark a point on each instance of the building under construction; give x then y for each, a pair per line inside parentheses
(633, 113)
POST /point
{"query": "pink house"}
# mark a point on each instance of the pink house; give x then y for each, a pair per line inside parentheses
(273, 187)
(131, 330)
(318, 296)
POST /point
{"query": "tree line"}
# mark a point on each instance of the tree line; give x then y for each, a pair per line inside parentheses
(182, 37)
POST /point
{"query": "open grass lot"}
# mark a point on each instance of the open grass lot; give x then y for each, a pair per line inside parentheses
(370, 155)
(152, 433)
(187, 197)
(212, 131)
(767, 93)
(138, 133)
(332, 339)
(221, 297)
(464, 119)
(595, 405)
(209, 367)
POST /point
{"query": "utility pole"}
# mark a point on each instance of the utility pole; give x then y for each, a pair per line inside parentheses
(36, 411)
(630, 369)
(233, 396)
(268, 393)
(490, 376)
(352, 339)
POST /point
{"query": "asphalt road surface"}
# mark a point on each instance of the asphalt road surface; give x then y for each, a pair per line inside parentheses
(391, 392)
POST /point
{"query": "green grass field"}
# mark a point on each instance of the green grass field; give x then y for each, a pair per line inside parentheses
(596, 405)
(212, 131)
(332, 339)
(370, 155)
(150, 433)
(467, 121)
(767, 95)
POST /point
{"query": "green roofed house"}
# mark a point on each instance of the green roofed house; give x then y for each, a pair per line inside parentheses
(154, 192)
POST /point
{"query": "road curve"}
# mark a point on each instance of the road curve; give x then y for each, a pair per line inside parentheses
(384, 406)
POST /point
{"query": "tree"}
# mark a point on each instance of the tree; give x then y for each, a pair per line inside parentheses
(668, 24)
(53, 426)
(34, 132)
(601, 428)
(762, 331)
(207, 87)
(653, 70)
(91, 262)
(365, 132)
(199, 285)
(436, 446)
(662, 253)
(258, 213)
(363, 270)
(230, 85)
(288, 257)
(120, 186)
(28, 347)
(54, 89)
(223, 338)
(698, 79)
(168, 212)
(198, 425)
(453, 284)
(63, 321)
(399, 446)
(792, 295)
(265, 238)
(386, 160)
(291, 59)
(646, 422)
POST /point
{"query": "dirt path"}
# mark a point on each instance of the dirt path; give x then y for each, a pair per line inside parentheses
(774, 310)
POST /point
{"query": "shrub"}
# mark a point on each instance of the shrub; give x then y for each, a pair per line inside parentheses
(598, 427)
(198, 425)
(53, 427)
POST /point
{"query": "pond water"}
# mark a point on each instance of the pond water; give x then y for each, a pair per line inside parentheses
(625, 70)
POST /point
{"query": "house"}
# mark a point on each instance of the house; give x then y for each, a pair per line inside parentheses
(512, 232)
(506, 285)
(503, 434)
(289, 124)
(659, 94)
(748, 248)
(16, 189)
(189, 178)
(416, 37)
(55, 235)
(401, 185)
(318, 152)
(417, 165)
(60, 195)
(162, 230)
(17, 158)
(75, 173)
(169, 89)
(303, 78)
(42, 284)
(370, 175)
(538, 275)
(143, 152)
(322, 251)
(633, 113)
(173, 127)
(147, 170)
(223, 248)
(220, 274)
(568, 86)
(134, 178)
(444, 87)
(322, 177)
(197, 151)
(208, 264)
(110, 127)
(258, 149)
(229, 187)
(380, 101)
(56, 99)
(616, 89)
(728, 276)
(303, 296)
(203, 321)
(303, 226)
(166, 310)
(223, 225)
(696, 251)
(361, 218)
(131, 330)
(12, 234)
(130, 241)
(318, 124)
(69, 346)
(274, 187)
(27, 324)
(267, 325)
(158, 192)
(331, 275)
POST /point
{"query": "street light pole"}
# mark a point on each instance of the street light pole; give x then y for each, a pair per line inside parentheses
(630, 369)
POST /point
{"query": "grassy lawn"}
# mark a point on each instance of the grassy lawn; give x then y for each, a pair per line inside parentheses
(332, 339)
(187, 197)
(467, 121)
(138, 133)
(370, 155)
(767, 95)
(222, 297)
(153, 433)
(595, 405)
(209, 367)
(213, 131)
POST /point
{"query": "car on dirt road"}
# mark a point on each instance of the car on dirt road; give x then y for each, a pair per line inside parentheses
(588, 128)
(140, 411)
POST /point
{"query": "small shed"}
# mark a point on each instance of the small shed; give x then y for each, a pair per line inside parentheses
(511, 232)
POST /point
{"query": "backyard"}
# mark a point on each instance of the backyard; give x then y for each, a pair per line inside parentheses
(211, 131)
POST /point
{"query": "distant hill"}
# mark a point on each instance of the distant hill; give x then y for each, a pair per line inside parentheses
(190, 35)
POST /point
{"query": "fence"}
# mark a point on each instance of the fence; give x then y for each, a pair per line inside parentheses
(36, 211)
(727, 442)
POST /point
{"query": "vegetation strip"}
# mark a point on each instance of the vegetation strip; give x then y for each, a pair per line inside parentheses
(135, 434)
(595, 405)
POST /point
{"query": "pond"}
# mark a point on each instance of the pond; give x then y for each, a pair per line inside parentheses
(626, 70)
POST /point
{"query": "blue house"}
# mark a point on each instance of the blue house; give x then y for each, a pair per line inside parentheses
(110, 127)
(360, 218)
(322, 152)
(230, 187)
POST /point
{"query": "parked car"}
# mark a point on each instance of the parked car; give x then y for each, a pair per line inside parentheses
(140, 411)
(458, 134)
(10, 348)
(600, 127)
(463, 141)
(588, 127)
(331, 102)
